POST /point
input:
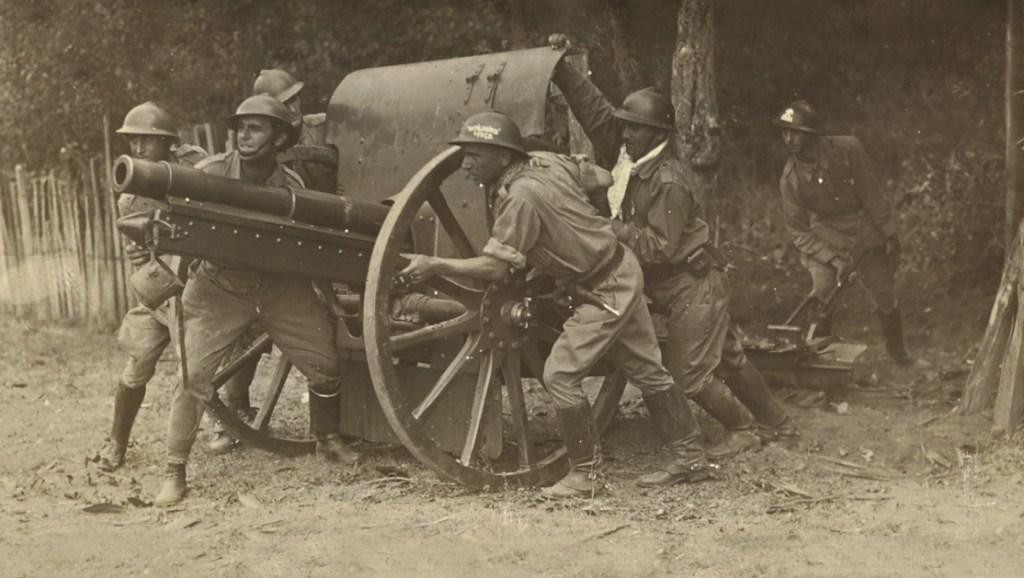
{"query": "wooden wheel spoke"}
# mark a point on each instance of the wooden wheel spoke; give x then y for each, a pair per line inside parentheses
(272, 394)
(451, 224)
(534, 362)
(464, 357)
(483, 388)
(513, 380)
(257, 348)
(468, 296)
(468, 322)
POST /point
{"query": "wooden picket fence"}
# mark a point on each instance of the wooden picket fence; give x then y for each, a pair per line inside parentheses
(61, 256)
(60, 253)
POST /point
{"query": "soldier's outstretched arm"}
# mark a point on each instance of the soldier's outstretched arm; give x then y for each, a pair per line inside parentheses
(423, 267)
(591, 108)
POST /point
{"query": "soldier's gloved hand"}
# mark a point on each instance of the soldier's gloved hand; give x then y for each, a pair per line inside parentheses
(136, 255)
(559, 41)
(893, 247)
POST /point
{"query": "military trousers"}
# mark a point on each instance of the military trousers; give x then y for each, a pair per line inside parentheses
(218, 308)
(876, 272)
(700, 336)
(591, 332)
(144, 335)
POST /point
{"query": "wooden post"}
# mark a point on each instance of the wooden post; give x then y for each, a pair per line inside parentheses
(1013, 149)
(120, 297)
(984, 377)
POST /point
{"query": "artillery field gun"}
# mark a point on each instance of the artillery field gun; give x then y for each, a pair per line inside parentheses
(440, 366)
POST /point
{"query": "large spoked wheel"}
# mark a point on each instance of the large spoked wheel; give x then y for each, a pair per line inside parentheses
(492, 341)
(270, 430)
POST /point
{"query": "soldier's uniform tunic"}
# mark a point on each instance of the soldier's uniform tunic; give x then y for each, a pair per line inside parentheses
(835, 207)
(317, 176)
(145, 332)
(542, 219)
(663, 223)
(220, 302)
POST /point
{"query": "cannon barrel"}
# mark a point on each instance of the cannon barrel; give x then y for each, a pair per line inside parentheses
(160, 180)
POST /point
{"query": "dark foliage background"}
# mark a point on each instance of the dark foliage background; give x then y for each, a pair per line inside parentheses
(920, 81)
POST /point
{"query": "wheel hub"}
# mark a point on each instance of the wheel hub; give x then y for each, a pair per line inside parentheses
(506, 313)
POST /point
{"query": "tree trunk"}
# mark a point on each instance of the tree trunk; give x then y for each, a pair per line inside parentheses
(694, 95)
(627, 68)
(516, 20)
(1012, 183)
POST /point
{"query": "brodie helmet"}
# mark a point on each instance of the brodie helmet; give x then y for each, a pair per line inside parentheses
(492, 128)
(800, 116)
(267, 106)
(277, 83)
(148, 119)
(648, 106)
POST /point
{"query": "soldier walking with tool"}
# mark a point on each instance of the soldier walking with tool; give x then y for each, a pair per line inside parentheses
(221, 301)
(838, 217)
(145, 332)
(657, 214)
(541, 218)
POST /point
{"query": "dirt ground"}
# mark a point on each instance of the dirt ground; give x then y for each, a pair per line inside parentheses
(875, 486)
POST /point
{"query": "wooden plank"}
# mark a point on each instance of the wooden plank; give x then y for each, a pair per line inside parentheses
(982, 382)
(1009, 407)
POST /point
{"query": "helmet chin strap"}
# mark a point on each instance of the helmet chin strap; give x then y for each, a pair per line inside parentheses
(256, 153)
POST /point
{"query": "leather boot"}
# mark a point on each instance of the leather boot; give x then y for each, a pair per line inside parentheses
(679, 429)
(327, 413)
(174, 487)
(749, 387)
(583, 444)
(127, 402)
(721, 404)
(892, 332)
(235, 394)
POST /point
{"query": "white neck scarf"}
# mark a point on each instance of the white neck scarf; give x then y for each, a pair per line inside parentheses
(624, 167)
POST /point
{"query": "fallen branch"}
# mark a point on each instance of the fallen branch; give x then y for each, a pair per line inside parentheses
(380, 481)
(842, 462)
(859, 474)
(603, 534)
(929, 420)
(788, 505)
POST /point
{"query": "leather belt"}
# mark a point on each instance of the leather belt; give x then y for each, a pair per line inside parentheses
(595, 277)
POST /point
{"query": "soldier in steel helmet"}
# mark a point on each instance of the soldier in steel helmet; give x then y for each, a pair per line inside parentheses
(312, 127)
(145, 333)
(541, 218)
(281, 85)
(220, 301)
(838, 217)
(657, 213)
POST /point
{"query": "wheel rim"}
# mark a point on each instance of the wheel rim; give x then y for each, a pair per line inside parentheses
(260, 433)
(486, 346)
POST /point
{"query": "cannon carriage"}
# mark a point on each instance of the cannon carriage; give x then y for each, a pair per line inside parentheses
(441, 367)
(444, 367)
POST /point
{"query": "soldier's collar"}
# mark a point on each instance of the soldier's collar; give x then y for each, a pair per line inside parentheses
(650, 162)
(510, 174)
